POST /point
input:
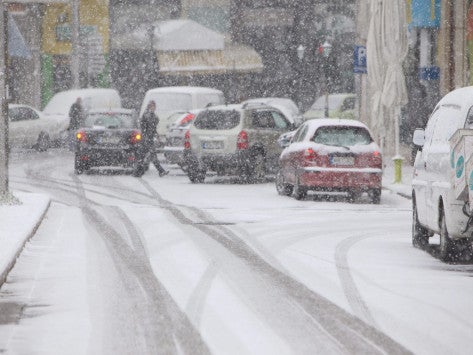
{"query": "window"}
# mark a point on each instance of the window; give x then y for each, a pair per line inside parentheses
(279, 120)
(342, 136)
(110, 121)
(217, 120)
(22, 114)
(262, 119)
(300, 133)
(469, 118)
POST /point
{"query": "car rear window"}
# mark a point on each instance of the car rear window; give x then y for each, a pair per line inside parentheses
(342, 136)
(110, 121)
(217, 120)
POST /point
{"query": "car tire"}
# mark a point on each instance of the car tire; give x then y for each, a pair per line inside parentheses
(300, 192)
(375, 196)
(282, 187)
(420, 235)
(448, 247)
(43, 143)
(258, 168)
(80, 166)
(139, 170)
(196, 174)
(353, 196)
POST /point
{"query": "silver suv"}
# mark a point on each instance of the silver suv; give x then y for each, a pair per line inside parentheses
(235, 139)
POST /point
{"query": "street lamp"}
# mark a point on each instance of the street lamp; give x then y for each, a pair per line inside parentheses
(300, 54)
(326, 49)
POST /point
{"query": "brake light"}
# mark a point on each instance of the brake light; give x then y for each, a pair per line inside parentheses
(135, 137)
(242, 140)
(310, 154)
(186, 119)
(377, 159)
(187, 140)
(81, 136)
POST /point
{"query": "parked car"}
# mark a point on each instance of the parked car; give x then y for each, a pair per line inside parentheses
(109, 138)
(285, 105)
(30, 128)
(173, 99)
(339, 106)
(235, 139)
(438, 205)
(331, 155)
(175, 137)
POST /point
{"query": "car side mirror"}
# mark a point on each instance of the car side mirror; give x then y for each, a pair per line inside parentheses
(418, 139)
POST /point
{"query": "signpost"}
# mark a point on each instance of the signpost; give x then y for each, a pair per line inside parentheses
(3, 105)
(359, 60)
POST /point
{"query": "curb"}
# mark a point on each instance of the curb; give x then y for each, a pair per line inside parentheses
(11, 264)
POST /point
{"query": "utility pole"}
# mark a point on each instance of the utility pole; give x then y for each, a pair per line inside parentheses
(75, 45)
(3, 104)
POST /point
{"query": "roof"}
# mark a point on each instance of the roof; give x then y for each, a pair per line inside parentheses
(315, 123)
(170, 35)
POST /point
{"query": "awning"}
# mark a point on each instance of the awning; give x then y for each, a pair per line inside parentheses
(233, 59)
(16, 43)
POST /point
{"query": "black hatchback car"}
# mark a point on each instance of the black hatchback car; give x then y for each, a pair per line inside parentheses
(109, 138)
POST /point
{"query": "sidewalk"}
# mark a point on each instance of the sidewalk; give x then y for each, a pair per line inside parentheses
(18, 223)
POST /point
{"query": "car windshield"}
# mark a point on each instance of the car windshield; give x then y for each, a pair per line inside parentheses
(110, 120)
(342, 136)
(218, 120)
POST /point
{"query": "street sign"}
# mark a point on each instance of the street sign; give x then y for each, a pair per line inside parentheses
(359, 60)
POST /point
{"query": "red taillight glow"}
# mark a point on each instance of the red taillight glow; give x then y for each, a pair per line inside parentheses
(242, 140)
(186, 119)
(309, 153)
(187, 140)
(135, 137)
(81, 136)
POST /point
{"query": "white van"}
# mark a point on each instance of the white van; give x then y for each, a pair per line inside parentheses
(92, 98)
(179, 98)
(437, 206)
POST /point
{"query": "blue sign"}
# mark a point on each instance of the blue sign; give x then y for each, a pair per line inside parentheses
(425, 13)
(359, 60)
(460, 167)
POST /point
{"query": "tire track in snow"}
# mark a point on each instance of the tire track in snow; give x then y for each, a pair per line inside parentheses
(353, 334)
(170, 322)
(353, 295)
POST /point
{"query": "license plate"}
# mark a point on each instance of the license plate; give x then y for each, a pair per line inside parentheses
(109, 140)
(334, 160)
(212, 145)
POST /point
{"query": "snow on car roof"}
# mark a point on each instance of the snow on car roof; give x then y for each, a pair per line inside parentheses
(461, 97)
(315, 123)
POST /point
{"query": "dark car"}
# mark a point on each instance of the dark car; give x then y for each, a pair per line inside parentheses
(109, 138)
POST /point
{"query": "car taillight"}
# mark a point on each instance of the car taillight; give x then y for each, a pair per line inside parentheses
(81, 136)
(310, 154)
(186, 119)
(187, 140)
(377, 159)
(242, 140)
(135, 137)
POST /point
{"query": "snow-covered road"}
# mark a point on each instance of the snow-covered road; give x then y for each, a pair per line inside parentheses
(126, 265)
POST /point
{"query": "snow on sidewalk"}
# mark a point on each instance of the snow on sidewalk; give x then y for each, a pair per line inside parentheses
(18, 223)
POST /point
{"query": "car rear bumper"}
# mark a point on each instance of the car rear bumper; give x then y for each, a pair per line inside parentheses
(340, 178)
(108, 157)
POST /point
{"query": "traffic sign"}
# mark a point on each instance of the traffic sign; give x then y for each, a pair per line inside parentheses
(359, 60)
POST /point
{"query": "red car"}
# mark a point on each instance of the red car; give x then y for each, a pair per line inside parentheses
(331, 155)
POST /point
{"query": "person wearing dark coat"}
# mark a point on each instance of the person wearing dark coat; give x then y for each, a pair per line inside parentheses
(148, 123)
(76, 119)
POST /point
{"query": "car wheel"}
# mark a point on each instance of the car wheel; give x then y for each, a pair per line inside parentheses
(300, 192)
(354, 196)
(139, 170)
(258, 168)
(375, 196)
(281, 186)
(43, 143)
(448, 247)
(196, 174)
(420, 235)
